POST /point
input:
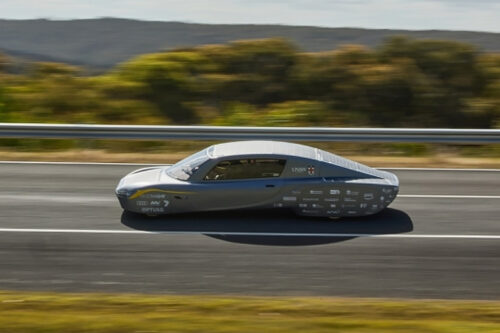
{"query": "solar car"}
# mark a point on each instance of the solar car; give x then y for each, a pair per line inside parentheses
(260, 175)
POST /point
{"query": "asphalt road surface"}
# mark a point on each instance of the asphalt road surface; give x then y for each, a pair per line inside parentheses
(62, 229)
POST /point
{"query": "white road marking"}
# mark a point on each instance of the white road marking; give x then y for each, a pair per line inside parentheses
(236, 233)
(83, 163)
(163, 164)
(439, 169)
(111, 199)
(63, 198)
(448, 196)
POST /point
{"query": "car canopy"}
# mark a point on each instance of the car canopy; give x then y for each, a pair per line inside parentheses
(296, 150)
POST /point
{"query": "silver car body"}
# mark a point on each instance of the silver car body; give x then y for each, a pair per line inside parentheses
(260, 174)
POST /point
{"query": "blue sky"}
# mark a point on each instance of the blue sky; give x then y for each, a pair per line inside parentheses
(476, 15)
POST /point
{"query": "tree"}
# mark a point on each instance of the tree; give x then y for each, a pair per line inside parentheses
(169, 81)
(257, 71)
(451, 70)
(455, 64)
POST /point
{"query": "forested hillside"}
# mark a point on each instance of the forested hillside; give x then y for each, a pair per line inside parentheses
(105, 42)
(402, 83)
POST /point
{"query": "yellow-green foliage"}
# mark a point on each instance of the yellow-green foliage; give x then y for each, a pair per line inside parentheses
(403, 83)
(56, 312)
(290, 113)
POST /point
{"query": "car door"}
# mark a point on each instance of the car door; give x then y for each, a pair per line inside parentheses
(240, 183)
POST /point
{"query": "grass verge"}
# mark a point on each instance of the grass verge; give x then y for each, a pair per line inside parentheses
(60, 312)
(91, 155)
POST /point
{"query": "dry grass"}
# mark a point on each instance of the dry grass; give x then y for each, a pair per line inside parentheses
(57, 312)
(438, 160)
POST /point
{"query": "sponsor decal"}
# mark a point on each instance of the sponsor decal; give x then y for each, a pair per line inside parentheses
(299, 169)
(316, 192)
(153, 203)
(368, 196)
(334, 192)
(310, 211)
(310, 170)
(289, 198)
(152, 210)
(154, 196)
(363, 205)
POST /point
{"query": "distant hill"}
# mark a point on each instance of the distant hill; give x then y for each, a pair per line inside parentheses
(103, 43)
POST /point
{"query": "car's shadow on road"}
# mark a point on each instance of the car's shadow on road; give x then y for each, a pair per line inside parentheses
(273, 227)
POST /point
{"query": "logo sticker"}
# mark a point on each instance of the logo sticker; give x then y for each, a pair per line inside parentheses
(310, 170)
(368, 196)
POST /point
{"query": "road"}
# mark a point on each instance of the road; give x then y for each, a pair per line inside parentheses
(62, 229)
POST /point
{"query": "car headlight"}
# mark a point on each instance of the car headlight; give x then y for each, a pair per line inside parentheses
(124, 192)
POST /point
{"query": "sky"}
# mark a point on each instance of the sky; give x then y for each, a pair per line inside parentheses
(472, 15)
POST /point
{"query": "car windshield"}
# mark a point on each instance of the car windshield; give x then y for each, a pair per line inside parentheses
(185, 168)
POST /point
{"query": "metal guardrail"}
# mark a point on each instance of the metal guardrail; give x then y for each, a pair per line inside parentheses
(74, 131)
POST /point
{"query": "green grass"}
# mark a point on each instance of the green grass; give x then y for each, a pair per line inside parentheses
(60, 312)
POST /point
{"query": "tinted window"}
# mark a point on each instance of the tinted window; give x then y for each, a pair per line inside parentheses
(246, 168)
(182, 170)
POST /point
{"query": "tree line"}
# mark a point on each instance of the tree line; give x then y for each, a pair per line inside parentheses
(403, 83)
